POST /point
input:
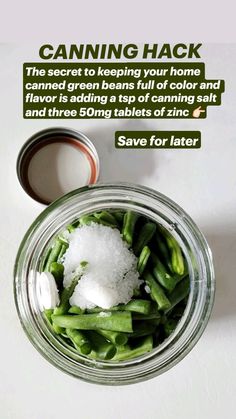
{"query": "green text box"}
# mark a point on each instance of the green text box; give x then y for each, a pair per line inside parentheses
(158, 139)
(93, 90)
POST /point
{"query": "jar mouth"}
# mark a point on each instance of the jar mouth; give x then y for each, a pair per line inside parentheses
(161, 209)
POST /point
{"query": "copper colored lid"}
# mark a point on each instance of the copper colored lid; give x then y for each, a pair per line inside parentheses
(54, 162)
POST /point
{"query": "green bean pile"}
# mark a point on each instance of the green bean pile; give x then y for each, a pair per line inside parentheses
(128, 330)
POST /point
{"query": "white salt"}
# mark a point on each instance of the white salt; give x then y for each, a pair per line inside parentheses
(111, 275)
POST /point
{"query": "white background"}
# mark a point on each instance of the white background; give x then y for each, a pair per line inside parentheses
(203, 182)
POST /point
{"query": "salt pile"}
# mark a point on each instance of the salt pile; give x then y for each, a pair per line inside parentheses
(111, 275)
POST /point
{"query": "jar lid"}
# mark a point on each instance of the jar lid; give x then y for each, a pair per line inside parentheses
(56, 161)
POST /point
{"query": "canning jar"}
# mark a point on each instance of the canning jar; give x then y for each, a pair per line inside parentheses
(160, 209)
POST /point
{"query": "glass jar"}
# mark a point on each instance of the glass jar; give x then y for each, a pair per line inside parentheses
(160, 209)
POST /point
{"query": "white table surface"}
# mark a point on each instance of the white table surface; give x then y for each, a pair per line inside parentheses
(203, 182)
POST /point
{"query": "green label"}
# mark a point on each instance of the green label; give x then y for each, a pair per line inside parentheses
(118, 90)
(158, 139)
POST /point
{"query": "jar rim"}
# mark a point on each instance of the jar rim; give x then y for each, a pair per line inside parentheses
(189, 328)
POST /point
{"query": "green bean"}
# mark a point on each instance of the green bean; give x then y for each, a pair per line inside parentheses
(83, 264)
(53, 256)
(102, 349)
(105, 218)
(142, 328)
(65, 296)
(180, 292)
(64, 241)
(76, 223)
(76, 310)
(65, 336)
(125, 331)
(48, 314)
(152, 316)
(88, 219)
(138, 306)
(161, 275)
(170, 326)
(177, 260)
(57, 269)
(119, 216)
(119, 321)
(126, 352)
(179, 278)
(137, 292)
(57, 329)
(163, 250)
(100, 309)
(157, 292)
(70, 228)
(130, 219)
(80, 341)
(143, 259)
(64, 302)
(117, 338)
(45, 261)
(155, 322)
(145, 235)
(62, 252)
(48, 261)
